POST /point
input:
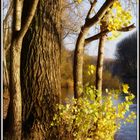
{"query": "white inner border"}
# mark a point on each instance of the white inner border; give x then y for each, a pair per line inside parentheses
(137, 18)
(1, 69)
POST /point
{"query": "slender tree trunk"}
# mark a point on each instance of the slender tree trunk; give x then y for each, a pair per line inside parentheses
(5, 69)
(100, 61)
(15, 91)
(6, 95)
(15, 106)
(78, 62)
(40, 72)
(79, 50)
(14, 119)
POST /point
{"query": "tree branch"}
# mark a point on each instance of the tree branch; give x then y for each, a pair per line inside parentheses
(108, 3)
(10, 9)
(97, 36)
(91, 8)
(128, 28)
(29, 18)
(18, 14)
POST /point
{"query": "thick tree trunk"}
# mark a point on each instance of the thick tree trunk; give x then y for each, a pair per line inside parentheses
(78, 62)
(40, 72)
(100, 61)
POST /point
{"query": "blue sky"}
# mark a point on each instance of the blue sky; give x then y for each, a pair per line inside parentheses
(92, 48)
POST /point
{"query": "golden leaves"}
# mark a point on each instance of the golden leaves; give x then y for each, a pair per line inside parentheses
(125, 88)
(79, 1)
(118, 17)
(91, 69)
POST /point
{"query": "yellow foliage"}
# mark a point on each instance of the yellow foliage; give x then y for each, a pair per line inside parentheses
(91, 69)
(79, 1)
(87, 118)
(125, 88)
(118, 17)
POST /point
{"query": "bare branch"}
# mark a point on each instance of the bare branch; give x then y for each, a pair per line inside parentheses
(18, 14)
(91, 8)
(10, 9)
(97, 36)
(29, 18)
(128, 28)
(100, 13)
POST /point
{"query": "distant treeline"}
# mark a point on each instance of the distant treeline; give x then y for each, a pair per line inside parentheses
(123, 69)
(109, 81)
(126, 63)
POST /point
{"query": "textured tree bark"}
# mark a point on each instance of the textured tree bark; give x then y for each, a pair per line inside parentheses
(100, 61)
(40, 72)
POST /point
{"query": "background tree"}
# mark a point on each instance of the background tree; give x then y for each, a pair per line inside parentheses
(40, 71)
(126, 62)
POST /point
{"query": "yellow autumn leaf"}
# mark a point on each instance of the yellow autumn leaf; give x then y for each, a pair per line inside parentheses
(126, 98)
(125, 88)
(118, 18)
(79, 1)
(92, 71)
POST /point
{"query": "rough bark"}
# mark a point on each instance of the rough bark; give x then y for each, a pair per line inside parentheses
(40, 72)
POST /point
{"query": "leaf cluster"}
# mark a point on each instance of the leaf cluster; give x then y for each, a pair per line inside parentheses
(93, 115)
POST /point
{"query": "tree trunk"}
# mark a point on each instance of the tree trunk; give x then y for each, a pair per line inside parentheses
(78, 62)
(14, 119)
(79, 50)
(5, 69)
(15, 91)
(15, 106)
(40, 72)
(100, 61)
